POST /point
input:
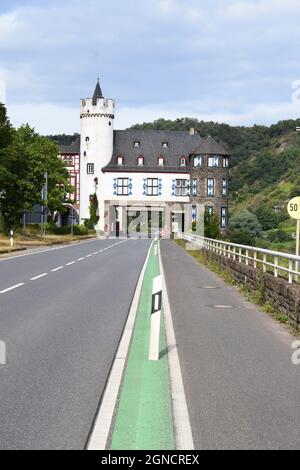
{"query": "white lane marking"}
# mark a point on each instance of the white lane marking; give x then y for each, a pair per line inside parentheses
(71, 263)
(88, 256)
(72, 245)
(100, 432)
(80, 259)
(95, 252)
(182, 425)
(57, 269)
(12, 288)
(39, 277)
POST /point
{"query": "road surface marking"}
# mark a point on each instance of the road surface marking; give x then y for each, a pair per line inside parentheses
(88, 256)
(95, 252)
(39, 277)
(70, 264)
(80, 259)
(100, 432)
(182, 425)
(57, 269)
(51, 249)
(12, 288)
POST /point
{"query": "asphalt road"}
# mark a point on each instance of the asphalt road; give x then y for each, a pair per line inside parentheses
(61, 325)
(241, 387)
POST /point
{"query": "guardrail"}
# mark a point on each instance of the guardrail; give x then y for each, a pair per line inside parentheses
(270, 261)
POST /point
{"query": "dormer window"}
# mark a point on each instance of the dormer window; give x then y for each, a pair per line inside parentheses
(165, 145)
(120, 161)
(183, 161)
(140, 161)
(161, 161)
(137, 143)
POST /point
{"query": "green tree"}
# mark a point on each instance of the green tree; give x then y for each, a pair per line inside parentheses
(244, 228)
(267, 217)
(6, 130)
(94, 217)
(22, 175)
(211, 226)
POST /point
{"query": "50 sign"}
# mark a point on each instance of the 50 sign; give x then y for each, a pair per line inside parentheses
(294, 208)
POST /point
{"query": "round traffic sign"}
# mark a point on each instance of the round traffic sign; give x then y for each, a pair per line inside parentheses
(294, 208)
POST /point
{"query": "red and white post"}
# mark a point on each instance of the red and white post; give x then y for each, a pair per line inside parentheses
(155, 319)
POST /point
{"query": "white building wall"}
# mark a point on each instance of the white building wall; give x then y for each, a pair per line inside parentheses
(137, 197)
(97, 124)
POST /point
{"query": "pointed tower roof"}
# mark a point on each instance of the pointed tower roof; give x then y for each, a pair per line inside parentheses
(97, 93)
(209, 146)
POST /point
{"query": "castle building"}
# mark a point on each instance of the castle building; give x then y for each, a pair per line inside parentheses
(132, 171)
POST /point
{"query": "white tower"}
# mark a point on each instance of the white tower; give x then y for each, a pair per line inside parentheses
(96, 148)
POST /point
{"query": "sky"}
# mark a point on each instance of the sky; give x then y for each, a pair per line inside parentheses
(233, 61)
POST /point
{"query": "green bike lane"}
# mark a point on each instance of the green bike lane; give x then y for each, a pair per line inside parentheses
(144, 416)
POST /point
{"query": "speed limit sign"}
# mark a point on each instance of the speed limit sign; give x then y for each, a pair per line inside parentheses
(294, 208)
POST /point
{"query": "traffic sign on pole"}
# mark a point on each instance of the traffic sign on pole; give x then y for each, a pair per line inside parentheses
(293, 209)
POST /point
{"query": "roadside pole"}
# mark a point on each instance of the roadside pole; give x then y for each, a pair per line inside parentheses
(11, 235)
(155, 319)
(293, 209)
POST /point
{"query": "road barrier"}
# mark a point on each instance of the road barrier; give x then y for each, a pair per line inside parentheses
(270, 261)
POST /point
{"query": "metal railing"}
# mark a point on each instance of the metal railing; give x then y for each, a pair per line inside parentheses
(271, 261)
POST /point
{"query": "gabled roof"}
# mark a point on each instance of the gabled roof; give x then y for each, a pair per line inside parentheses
(97, 93)
(209, 146)
(151, 147)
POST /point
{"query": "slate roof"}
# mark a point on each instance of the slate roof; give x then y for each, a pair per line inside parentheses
(74, 148)
(209, 146)
(97, 93)
(151, 148)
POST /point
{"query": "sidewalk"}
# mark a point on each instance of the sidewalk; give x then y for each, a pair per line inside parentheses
(241, 388)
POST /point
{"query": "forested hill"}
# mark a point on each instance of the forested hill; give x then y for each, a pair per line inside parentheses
(243, 141)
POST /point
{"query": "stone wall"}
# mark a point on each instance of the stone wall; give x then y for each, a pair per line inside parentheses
(283, 296)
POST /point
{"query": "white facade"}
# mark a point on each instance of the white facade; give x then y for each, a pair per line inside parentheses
(97, 130)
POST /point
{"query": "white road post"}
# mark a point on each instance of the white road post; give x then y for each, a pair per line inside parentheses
(155, 246)
(11, 238)
(2, 353)
(155, 319)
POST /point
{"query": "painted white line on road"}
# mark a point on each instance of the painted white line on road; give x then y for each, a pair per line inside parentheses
(39, 277)
(95, 252)
(38, 252)
(100, 432)
(12, 288)
(88, 256)
(81, 259)
(182, 425)
(71, 263)
(57, 269)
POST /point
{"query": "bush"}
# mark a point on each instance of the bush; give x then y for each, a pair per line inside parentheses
(80, 230)
(244, 228)
(267, 217)
(279, 236)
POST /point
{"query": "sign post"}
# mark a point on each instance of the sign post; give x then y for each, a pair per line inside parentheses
(155, 319)
(294, 212)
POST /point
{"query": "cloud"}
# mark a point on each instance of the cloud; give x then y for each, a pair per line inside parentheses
(9, 23)
(219, 58)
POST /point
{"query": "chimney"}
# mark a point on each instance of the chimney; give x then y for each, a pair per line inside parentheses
(192, 131)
